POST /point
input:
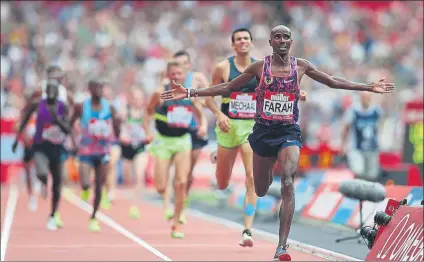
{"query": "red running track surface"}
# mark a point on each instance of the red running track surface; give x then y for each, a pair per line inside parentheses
(124, 239)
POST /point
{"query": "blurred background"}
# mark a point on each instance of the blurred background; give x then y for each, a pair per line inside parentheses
(129, 43)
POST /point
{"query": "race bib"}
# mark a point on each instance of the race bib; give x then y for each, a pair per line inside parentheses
(100, 129)
(242, 105)
(136, 134)
(53, 134)
(278, 106)
(179, 116)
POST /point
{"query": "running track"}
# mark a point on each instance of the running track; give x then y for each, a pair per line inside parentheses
(121, 239)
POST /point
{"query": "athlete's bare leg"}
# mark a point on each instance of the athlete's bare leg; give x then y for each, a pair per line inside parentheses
(161, 177)
(194, 158)
(182, 169)
(251, 197)
(111, 178)
(288, 160)
(226, 158)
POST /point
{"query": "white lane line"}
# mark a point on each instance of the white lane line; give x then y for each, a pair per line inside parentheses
(8, 218)
(76, 201)
(302, 247)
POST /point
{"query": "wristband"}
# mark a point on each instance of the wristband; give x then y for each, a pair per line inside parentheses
(188, 93)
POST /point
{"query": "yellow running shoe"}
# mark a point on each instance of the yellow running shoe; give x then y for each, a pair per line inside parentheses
(168, 214)
(94, 225)
(183, 219)
(85, 195)
(57, 220)
(134, 212)
(105, 202)
(176, 233)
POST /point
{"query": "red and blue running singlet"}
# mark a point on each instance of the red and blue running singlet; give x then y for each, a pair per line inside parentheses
(277, 97)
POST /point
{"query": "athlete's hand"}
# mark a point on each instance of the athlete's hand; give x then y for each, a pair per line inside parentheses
(382, 87)
(223, 122)
(201, 131)
(176, 92)
(303, 94)
(14, 146)
(52, 112)
(148, 140)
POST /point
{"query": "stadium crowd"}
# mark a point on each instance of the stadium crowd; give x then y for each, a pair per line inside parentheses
(129, 43)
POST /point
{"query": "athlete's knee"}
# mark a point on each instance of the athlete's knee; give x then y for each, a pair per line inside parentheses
(287, 185)
(223, 184)
(261, 191)
(42, 177)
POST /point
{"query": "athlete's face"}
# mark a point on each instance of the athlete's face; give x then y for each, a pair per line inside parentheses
(52, 93)
(96, 90)
(177, 74)
(184, 62)
(366, 98)
(280, 40)
(136, 98)
(242, 42)
(57, 75)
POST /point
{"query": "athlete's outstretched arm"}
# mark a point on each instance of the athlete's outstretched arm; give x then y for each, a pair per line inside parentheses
(179, 92)
(28, 112)
(339, 83)
(116, 121)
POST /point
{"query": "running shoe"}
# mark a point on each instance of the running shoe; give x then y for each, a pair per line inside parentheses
(85, 195)
(32, 204)
(246, 238)
(51, 224)
(176, 233)
(134, 212)
(105, 202)
(169, 214)
(94, 225)
(281, 254)
(58, 220)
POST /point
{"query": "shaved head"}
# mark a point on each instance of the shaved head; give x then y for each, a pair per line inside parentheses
(280, 29)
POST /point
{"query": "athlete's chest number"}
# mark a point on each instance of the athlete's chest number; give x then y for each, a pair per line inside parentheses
(100, 129)
(278, 106)
(179, 116)
(53, 134)
(242, 105)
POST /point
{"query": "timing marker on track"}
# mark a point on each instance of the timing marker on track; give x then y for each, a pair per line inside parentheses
(8, 218)
(76, 201)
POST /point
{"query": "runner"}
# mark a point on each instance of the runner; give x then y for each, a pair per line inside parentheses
(52, 125)
(115, 154)
(97, 119)
(28, 157)
(276, 135)
(173, 141)
(234, 124)
(134, 160)
(192, 80)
